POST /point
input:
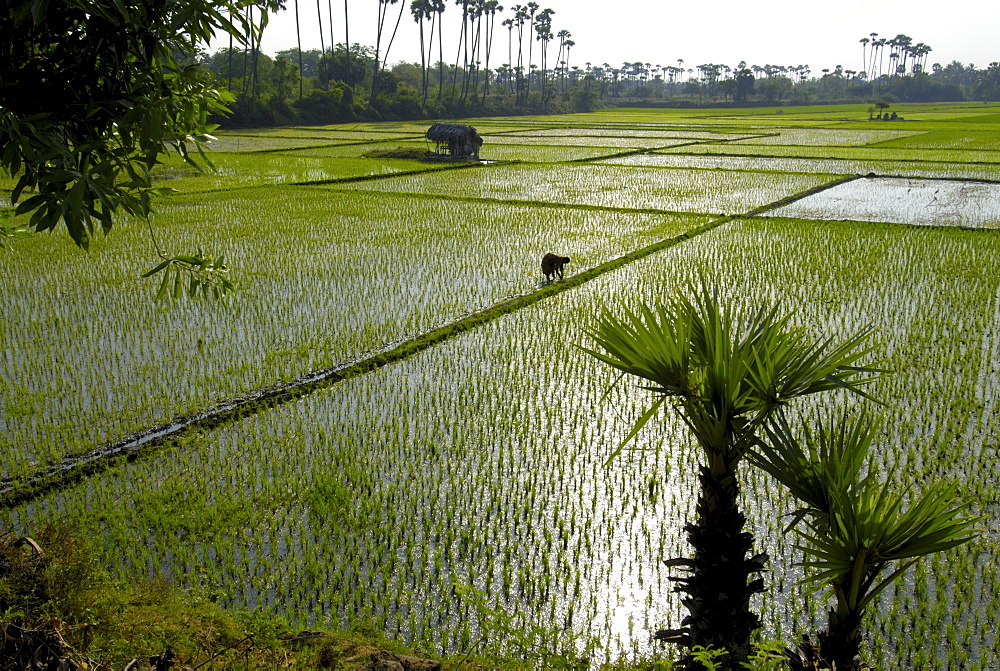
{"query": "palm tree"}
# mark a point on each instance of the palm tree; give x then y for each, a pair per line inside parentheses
(871, 67)
(509, 25)
(298, 40)
(562, 57)
(520, 18)
(543, 30)
(347, 38)
(462, 40)
(421, 11)
(492, 7)
(530, 8)
(319, 22)
(864, 42)
(855, 525)
(726, 375)
(383, 11)
(438, 7)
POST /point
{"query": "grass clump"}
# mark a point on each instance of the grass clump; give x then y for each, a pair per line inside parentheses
(60, 609)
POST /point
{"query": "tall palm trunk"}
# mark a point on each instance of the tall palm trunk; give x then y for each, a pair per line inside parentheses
(491, 21)
(383, 12)
(423, 58)
(440, 54)
(319, 22)
(298, 40)
(392, 38)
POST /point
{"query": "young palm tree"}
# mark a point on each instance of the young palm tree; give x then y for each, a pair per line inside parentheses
(726, 375)
(855, 525)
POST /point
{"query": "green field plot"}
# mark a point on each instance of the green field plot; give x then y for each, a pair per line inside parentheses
(324, 277)
(360, 150)
(251, 143)
(272, 168)
(561, 134)
(950, 139)
(481, 462)
(608, 186)
(822, 166)
(827, 137)
(362, 130)
(491, 151)
(848, 153)
(610, 140)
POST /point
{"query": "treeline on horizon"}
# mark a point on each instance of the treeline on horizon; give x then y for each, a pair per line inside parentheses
(323, 86)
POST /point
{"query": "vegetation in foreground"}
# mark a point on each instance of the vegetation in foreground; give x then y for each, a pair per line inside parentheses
(60, 609)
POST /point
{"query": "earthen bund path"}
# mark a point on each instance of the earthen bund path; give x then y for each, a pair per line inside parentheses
(18, 490)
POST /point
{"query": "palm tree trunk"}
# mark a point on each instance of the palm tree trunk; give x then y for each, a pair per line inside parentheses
(719, 587)
(383, 8)
(392, 38)
(298, 40)
(319, 19)
(491, 22)
(423, 62)
(440, 58)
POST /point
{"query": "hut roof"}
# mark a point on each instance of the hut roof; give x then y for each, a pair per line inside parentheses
(450, 132)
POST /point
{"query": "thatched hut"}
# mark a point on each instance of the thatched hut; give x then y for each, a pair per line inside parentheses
(456, 139)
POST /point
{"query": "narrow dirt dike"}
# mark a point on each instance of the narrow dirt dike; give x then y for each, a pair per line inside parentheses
(15, 491)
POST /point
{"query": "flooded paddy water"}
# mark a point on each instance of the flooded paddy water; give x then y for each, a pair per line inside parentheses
(480, 462)
(927, 202)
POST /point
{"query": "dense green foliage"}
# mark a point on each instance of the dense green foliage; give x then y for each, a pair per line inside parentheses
(92, 94)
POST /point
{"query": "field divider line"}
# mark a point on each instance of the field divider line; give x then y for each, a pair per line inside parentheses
(15, 491)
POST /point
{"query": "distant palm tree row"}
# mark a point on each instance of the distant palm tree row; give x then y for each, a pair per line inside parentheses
(473, 50)
(901, 48)
(476, 77)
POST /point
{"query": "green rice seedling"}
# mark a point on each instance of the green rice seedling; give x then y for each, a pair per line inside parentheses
(203, 355)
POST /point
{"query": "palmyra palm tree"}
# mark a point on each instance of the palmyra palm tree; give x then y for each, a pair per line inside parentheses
(383, 11)
(726, 375)
(856, 527)
(491, 8)
(421, 11)
(298, 38)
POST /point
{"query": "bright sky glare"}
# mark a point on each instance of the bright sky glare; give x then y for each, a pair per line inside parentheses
(777, 32)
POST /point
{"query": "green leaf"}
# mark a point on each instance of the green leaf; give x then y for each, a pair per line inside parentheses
(156, 269)
(641, 422)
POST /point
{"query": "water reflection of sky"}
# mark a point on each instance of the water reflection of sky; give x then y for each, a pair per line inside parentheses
(904, 201)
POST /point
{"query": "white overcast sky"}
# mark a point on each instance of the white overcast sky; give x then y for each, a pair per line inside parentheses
(777, 32)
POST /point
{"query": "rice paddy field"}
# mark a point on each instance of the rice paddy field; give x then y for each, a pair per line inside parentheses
(479, 462)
